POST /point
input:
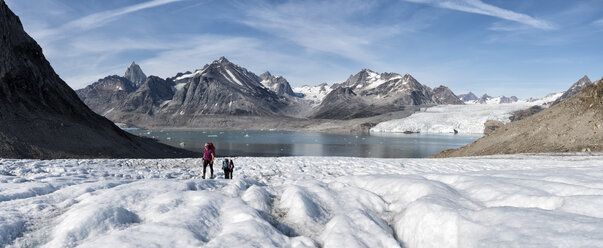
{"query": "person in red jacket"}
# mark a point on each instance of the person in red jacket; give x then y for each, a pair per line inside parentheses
(208, 159)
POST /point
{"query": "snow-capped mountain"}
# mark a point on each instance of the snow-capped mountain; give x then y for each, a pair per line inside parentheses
(278, 84)
(42, 117)
(369, 93)
(486, 99)
(222, 88)
(400, 89)
(470, 98)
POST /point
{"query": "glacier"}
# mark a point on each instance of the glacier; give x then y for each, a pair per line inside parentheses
(526, 200)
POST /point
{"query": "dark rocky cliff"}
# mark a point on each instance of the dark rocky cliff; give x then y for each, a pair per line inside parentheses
(42, 117)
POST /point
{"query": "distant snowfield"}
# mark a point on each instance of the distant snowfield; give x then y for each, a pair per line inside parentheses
(468, 119)
(500, 201)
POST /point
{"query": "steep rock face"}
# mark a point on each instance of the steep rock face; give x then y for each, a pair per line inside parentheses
(484, 99)
(574, 89)
(154, 93)
(278, 84)
(135, 75)
(468, 97)
(444, 95)
(106, 94)
(42, 117)
(343, 103)
(572, 125)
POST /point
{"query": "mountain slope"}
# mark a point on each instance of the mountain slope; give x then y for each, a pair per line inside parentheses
(106, 94)
(41, 117)
(572, 125)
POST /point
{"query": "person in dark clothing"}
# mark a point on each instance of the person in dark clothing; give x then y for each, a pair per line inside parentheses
(227, 166)
(208, 159)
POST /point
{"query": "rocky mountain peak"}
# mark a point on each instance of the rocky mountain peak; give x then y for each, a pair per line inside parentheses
(265, 75)
(574, 89)
(278, 84)
(444, 95)
(222, 60)
(468, 97)
(135, 74)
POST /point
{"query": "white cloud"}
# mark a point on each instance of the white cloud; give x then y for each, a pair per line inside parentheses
(325, 26)
(479, 7)
(598, 22)
(97, 19)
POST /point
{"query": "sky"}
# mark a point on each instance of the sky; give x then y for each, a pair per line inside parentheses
(526, 48)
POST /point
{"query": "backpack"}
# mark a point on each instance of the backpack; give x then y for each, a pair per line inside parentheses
(225, 165)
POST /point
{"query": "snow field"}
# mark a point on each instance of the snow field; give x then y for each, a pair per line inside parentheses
(548, 200)
(444, 119)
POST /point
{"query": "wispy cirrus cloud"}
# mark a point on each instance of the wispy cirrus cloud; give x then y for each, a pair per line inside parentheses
(598, 22)
(98, 19)
(323, 26)
(479, 7)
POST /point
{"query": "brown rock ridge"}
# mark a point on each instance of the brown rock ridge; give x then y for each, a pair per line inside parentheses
(573, 125)
(41, 117)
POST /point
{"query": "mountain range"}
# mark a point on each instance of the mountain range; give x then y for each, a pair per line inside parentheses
(223, 88)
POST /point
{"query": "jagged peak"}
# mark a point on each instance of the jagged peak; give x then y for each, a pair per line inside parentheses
(266, 75)
(222, 60)
(408, 77)
(584, 81)
(133, 68)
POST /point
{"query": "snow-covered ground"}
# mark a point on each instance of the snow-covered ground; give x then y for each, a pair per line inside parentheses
(314, 93)
(468, 119)
(501, 201)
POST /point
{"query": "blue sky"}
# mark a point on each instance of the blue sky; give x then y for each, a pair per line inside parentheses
(526, 48)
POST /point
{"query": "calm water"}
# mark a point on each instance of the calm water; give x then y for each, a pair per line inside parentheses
(280, 143)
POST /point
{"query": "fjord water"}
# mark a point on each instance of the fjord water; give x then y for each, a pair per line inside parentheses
(284, 143)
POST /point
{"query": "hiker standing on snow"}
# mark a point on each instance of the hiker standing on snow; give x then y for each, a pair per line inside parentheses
(208, 159)
(227, 166)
